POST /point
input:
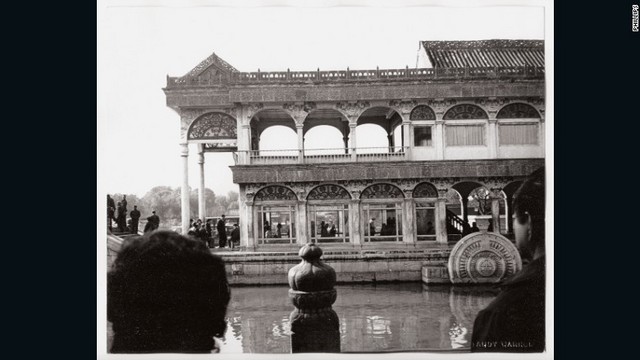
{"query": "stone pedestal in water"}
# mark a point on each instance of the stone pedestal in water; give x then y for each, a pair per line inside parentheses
(315, 325)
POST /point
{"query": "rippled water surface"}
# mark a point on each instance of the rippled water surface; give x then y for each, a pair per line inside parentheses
(383, 317)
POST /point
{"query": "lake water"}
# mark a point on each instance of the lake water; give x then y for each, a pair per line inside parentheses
(382, 317)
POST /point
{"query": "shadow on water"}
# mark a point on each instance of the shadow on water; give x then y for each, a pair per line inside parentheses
(373, 317)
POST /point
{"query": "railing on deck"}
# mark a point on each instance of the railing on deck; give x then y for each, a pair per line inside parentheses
(259, 77)
(320, 156)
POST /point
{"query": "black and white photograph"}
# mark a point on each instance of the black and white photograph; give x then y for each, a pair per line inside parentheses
(338, 177)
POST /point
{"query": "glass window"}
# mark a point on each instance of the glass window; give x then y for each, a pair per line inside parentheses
(383, 222)
(518, 134)
(425, 221)
(329, 223)
(276, 225)
(422, 136)
(465, 135)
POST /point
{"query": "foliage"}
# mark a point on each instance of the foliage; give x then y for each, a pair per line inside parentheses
(167, 203)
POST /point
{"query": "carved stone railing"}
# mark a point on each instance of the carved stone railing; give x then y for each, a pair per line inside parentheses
(333, 76)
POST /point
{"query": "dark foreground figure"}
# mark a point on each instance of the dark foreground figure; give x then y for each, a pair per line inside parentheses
(166, 294)
(515, 320)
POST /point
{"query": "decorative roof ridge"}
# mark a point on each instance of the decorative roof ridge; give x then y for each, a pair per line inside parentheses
(482, 44)
(213, 59)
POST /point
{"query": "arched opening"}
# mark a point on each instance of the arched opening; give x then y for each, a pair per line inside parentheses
(375, 141)
(273, 133)
(328, 214)
(324, 140)
(467, 132)
(276, 215)
(382, 213)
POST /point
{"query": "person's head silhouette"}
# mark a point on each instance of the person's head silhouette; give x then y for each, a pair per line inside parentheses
(166, 294)
(529, 213)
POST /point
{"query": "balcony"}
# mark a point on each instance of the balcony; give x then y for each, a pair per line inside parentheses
(321, 156)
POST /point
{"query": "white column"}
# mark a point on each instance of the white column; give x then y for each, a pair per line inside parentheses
(354, 223)
(185, 213)
(406, 139)
(438, 139)
(352, 137)
(492, 139)
(408, 219)
(301, 223)
(201, 200)
(299, 130)
(441, 218)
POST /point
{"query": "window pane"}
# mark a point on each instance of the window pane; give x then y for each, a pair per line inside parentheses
(425, 223)
(276, 225)
(422, 136)
(329, 223)
(465, 135)
(518, 134)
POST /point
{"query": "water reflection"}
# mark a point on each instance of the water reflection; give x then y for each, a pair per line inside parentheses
(406, 316)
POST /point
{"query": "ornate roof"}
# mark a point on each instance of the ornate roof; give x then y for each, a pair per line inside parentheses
(213, 59)
(485, 53)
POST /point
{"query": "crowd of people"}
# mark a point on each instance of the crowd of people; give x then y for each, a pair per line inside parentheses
(117, 212)
(168, 293)
(204, 232)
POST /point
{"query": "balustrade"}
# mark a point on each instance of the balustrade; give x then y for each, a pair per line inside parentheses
(318, 156)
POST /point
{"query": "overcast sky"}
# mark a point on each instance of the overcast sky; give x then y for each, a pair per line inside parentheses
(138, 47)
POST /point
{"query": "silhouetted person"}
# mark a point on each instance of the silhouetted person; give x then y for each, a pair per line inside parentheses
(111, 212)
(124, 203)
(332, 231)
(153, 222)
(209, 229)
(135, 217)
(474, 227)
(323, 230)
(279, 230)
(515, 320)
(222, 232)
(121, 218)
(372, 227)
(235, 236)
(166, 293)
(430, 228)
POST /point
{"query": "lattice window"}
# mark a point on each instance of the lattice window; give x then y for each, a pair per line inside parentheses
(425, 190)
(382, 191)
(274, 193)
(465, 111)
(422, 112)
(328, 192)
(518, 111)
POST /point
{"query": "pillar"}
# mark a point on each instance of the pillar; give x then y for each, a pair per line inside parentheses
(315, 326)
(492, 139)
(352, 136)
(244, 144)
(345, 139)
(390, 142)
(201, 200)
(252, 237)
(185, 211)
(408, 219)
(542, 137)
(354, 222)
(299, 130)
(406, 139)
(441, 218)
(301, 223)
(438, 139)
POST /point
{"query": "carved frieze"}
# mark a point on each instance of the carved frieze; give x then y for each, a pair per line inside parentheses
(352, 110)
(213, 126)
(299, 111)
(439, 106)
(253, 108)
(403, 107)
